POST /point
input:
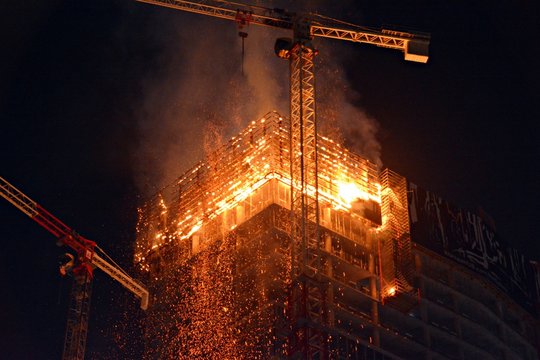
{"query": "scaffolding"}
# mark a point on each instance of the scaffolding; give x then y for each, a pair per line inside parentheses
(217, 245)
(397, 268)
(255, 157)
(217, 199)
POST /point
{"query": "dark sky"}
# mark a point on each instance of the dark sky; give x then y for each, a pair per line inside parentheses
(83, 84)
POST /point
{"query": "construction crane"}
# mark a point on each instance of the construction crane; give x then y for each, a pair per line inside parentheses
(88, 255)
(307, 337)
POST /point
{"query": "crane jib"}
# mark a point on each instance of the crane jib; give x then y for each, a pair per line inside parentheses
(84, 248)
(415, 46)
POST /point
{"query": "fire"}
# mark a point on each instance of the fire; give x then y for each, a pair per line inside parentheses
(255, 159)
(349, 192)
(216, 197)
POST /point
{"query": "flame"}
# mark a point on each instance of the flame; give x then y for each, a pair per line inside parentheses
(215, 198)
(349, 192)
(391, 291)
(257, 156)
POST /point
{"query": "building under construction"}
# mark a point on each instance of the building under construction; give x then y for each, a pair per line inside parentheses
(387, 270)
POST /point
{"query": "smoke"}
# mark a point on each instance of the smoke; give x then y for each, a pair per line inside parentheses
(195, 84)
(196, 96)
(339, 112)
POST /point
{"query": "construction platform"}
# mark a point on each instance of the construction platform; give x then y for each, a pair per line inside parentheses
(216, 249)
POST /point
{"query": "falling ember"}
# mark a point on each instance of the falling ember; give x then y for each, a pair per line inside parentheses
(216, 246)
(391, 291)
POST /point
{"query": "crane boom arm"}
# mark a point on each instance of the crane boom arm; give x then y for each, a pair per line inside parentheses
(70, 238)
(123, 278)
(227, 10)
(414, 46)
(32, 209)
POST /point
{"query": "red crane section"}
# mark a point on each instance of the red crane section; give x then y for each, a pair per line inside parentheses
(81, 267)
(84, 248)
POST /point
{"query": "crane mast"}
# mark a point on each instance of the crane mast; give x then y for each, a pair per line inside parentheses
(307, 312)
(88, 257)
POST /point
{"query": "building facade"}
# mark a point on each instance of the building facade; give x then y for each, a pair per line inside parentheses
(388, 277)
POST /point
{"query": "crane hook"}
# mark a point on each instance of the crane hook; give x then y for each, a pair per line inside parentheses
(67, 264)
(243, 18)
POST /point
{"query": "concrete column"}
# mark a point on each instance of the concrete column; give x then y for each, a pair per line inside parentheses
(457, 315)
(425, 320)
(423, 311)
(330, 273)
(240, 214)
(374, 304)
(457, 325)
(502, 330)
(195, 243)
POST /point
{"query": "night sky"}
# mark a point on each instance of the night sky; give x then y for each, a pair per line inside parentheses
(103, 102)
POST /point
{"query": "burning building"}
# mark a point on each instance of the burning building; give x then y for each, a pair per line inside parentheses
(230, 279)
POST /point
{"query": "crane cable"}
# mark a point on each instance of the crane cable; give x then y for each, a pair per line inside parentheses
(341, 22)
(112, 261)
(243, 35)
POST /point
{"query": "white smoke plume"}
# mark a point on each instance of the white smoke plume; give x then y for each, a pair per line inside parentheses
(338, 110)
(196, 84)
